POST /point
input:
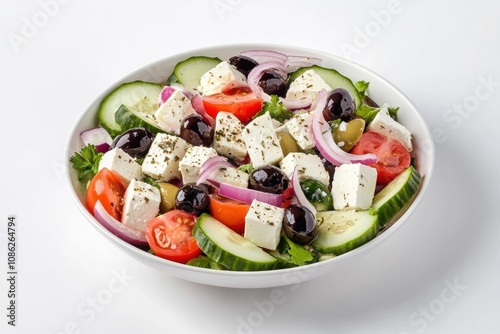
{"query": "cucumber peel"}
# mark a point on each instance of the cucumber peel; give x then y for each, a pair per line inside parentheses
(390, 200)
(229, 248)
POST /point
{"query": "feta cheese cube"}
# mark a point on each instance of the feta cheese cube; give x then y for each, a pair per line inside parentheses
(385, 124)
(306, 87)
(141, 203)
(353, 187)
(300, 127)
(228, 138)
(171, 113)
(232, 176)
(162, 160)
(190, 164)
(262, 142)
(221, 75)
(122, 164)
(263, 224)
(309, 166)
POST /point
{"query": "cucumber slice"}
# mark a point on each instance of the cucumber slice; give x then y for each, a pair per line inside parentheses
(228, 248)
(189, 72)
(128, 118)
(138, 95)
(390, 200)
(333, 78)
(342, 231)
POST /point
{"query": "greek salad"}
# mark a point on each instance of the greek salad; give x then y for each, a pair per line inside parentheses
(258, 162)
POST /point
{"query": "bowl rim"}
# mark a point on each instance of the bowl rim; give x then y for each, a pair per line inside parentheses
(205, 273)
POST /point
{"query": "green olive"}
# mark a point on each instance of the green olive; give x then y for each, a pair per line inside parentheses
(346, 136)
(168, 192)
(287, 143)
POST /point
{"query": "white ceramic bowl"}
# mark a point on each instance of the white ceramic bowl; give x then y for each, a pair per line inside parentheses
(380, 90)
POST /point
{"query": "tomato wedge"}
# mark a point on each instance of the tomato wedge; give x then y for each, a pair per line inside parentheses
(393, 157)
(170, 236)
(106, 187)
(240, 101)
(229, 212)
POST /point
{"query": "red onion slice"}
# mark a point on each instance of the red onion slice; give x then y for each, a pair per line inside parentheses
(293, 63)
(323, 138)
(215, 160)
(253, 82)
(299, 194)
(98, 137)
(248, 195)
(296, 104)
(211, 168)
(167, 91)
(258, 71)
(197, 104)
(264, 56)
(114, 226)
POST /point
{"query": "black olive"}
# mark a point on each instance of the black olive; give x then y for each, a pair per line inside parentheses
(273, 84)
(196, 131)
(269, 179)
(136, 142)
(243, 64)
(339, 104)
(299, 224)
(192, 198)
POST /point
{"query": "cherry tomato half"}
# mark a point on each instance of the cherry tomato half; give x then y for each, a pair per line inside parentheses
(170, 236)
(229, 212)
(393, 157)
(240, 101)
(106, 187)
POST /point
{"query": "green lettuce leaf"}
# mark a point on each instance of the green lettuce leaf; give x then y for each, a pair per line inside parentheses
(291, 254)
(362, 86)
(368, 113)
(203, 261)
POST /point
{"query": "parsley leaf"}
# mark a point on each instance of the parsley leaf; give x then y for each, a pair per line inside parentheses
(276, 110)
(86, 161)
(368, 113)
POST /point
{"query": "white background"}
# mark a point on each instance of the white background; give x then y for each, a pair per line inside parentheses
(439, 274)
